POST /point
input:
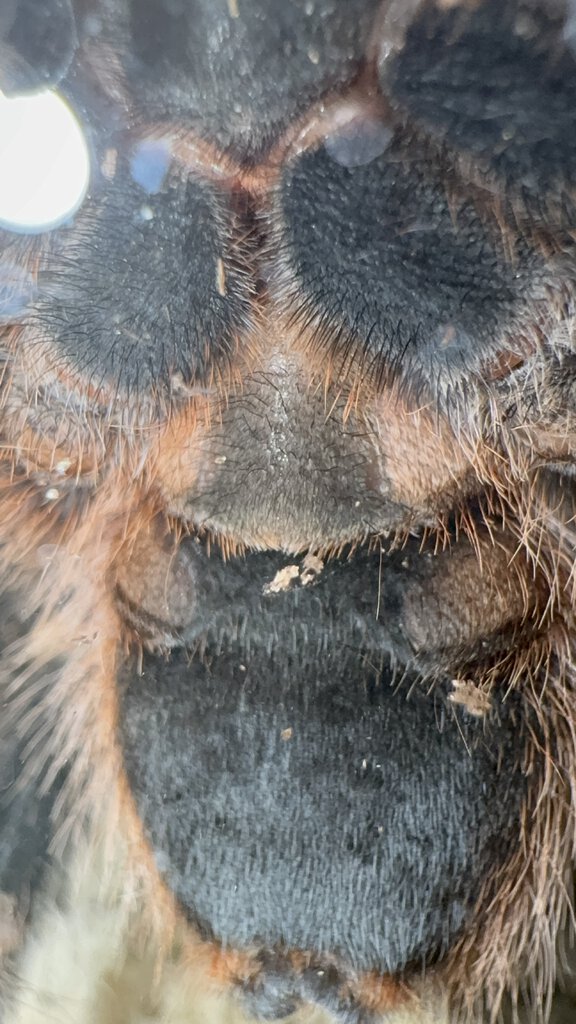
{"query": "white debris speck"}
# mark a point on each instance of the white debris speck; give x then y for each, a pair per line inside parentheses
(282, 579)
(312, 566)
(220, 277)
(109, 163)
(10, 925)
(476, 701)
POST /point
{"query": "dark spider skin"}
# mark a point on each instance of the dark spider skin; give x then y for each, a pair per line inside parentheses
(427, 262)
(236, 805)
(508, 96)
(38, 43)
(289, 399)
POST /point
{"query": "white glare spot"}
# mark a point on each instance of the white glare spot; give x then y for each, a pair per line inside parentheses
(44, 163)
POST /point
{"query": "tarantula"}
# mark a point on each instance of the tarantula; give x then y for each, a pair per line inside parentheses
(287, 505)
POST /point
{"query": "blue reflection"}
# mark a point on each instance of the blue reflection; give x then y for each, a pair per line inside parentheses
(17, 290)
(358, 142)
(149, 164)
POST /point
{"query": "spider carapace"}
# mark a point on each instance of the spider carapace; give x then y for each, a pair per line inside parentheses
(288, 699)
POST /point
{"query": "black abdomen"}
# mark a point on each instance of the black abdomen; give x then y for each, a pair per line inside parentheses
(296, 797)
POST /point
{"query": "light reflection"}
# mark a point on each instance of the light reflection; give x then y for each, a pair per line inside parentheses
(149, 164)
(17, 290)
(359, 142)
(44, 162)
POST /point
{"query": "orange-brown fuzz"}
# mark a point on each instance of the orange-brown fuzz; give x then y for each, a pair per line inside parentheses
(48, 552)
(84, 500)
(380, 994)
